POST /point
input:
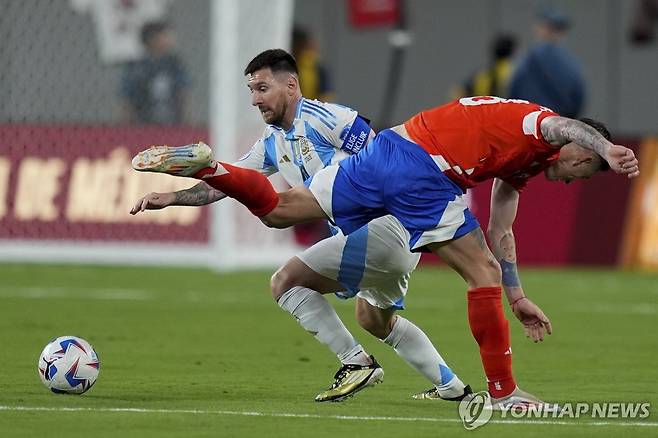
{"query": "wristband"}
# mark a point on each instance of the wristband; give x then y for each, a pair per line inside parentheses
(516, 301)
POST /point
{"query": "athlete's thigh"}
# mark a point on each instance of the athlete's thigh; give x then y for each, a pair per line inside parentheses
(326, 260)
(470, 256)
(388, 264)
(295, 206)
(297, 272)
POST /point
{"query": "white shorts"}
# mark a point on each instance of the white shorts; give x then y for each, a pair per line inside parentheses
(373, 263)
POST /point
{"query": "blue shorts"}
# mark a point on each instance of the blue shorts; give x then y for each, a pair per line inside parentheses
(394, 176)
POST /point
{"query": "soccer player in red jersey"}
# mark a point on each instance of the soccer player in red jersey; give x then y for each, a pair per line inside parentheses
(419, 172)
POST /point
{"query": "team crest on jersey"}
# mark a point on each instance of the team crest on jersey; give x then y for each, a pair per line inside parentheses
(305, 145)
(301, 147)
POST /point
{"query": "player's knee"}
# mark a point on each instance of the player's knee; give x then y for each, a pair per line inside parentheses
(280, 283)
(489, 274)
(494, 270)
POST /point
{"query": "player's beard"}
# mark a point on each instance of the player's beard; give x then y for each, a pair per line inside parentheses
(273, 116)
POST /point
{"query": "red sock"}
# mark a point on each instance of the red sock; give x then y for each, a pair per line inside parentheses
(491, 331)
(247, 186)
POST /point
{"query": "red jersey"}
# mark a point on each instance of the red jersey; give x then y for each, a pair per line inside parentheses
(478, 138)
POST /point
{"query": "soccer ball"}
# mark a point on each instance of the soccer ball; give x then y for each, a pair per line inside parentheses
(68, 365)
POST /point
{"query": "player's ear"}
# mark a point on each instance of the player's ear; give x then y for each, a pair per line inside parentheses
(293, 83)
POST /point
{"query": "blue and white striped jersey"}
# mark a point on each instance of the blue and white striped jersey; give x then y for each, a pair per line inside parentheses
(322, 134)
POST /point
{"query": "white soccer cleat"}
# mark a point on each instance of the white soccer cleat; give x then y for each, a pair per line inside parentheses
(520, 400)
(180, 161)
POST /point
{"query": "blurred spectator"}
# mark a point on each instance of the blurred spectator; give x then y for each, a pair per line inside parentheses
(549, 74)
(494, 80)
(643, 26)
(154, 88)
(313, 76)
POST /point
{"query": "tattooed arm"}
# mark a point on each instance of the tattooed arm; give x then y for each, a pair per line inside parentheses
(559, 131)
(200, 194)
(504, 204)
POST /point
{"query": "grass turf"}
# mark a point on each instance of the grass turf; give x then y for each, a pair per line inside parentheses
(195, 353)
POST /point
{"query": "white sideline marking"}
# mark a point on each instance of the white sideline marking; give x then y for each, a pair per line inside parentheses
(85, 294)
(321, 417)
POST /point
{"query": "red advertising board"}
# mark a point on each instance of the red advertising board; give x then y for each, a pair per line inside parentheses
(371, 13)
(68, 182)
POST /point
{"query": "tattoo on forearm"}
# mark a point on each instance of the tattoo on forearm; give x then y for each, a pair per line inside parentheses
(562, 130)
(505, 250)
(508, 247)
(200, 194)
(510, 275)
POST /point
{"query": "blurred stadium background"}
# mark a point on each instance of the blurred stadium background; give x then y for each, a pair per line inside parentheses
(66, 184)
(65, 141)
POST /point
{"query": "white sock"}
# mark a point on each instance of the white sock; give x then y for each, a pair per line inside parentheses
(316, 315)
(413, 345)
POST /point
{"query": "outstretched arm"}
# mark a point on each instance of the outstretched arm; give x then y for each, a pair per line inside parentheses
(504, 205)
(559, 131)
(200, 194)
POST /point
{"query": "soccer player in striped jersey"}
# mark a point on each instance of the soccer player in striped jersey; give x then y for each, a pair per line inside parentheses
(373, 263)
(419, 171)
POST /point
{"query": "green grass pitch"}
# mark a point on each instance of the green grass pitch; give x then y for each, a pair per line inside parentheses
(193, 353)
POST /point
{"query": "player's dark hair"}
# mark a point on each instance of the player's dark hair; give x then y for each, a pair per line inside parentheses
(151, 29)
(275, 59)
(600, 127)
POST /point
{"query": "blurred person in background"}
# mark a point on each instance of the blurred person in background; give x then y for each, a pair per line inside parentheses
(643, 24)
(314, 78)
(493, 80)
(549, 74)
(154, 88)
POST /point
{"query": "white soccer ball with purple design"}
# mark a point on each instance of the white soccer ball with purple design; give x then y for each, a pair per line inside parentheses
(68, 365)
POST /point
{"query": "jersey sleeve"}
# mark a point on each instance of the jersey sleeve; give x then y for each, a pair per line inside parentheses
(343, 127)
(532, 124)
(260, 157)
